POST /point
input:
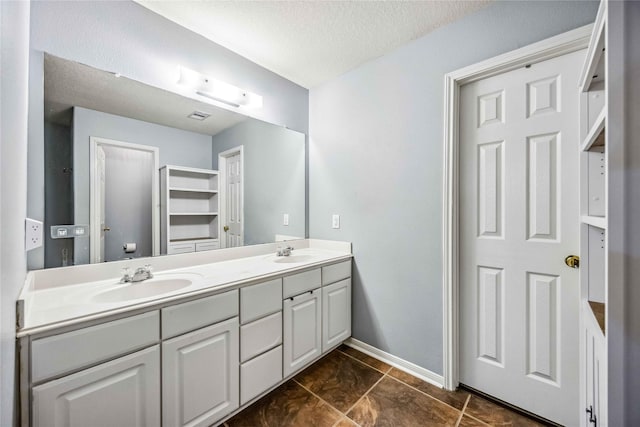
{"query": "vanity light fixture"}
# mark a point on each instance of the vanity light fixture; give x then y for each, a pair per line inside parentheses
(218, 90)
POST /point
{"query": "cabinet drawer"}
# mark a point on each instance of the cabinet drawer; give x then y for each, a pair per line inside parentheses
(181, 248)
(63, 353)
(336, 272)
(300, 283)
(259, 374)
(192, 315)
(259, 300)
(260, 335)
(207, 246)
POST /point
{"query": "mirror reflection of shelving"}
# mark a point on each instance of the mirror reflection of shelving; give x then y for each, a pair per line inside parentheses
(189, 205)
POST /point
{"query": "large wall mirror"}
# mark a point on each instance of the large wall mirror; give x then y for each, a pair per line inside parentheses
(133, 171)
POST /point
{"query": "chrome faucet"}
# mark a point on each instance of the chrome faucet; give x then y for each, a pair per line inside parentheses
(284, 251)
(141, 273)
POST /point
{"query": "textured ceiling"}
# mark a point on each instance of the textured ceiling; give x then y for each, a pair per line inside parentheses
(310, 42)
(68, 83)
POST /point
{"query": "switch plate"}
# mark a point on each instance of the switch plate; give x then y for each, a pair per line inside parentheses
(285, 219)
(335, 221)
(33, 234)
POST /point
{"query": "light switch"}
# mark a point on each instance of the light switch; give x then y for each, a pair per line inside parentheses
(285, 219)
(335, 221)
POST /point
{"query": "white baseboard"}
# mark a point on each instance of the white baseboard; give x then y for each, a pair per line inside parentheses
(396, 362)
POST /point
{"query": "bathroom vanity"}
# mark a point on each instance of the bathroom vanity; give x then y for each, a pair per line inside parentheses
(209, 334)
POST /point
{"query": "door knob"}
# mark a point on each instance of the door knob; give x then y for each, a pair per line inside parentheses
(105, 228)
(225, 228)
(572, 261)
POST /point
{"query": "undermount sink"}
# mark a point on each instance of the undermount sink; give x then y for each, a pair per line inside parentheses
(292, 258)
(159, 285)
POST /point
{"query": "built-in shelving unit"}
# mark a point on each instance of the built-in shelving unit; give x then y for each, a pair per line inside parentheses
(189, 209)
(593, 226)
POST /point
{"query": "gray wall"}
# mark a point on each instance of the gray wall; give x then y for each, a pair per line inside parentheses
(35, 152)
(129, 204)
(14, 62)
(125, 37)
(375, 154)
(623, 134)
(177, 147)
(58, 203)
(274, 178)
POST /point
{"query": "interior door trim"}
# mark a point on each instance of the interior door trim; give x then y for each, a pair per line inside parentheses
(561, 44)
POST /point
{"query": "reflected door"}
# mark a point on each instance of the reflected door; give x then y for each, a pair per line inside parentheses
(233, 201)
(518, 221)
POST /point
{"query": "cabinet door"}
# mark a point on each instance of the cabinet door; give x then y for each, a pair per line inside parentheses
(302, 330)
(123, 392)
(336, 314)
(200, 383)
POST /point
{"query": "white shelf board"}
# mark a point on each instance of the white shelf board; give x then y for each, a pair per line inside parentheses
(192, 190)
(193, 214)
(594, 54)
(179, 169)
(595, 130)
(596, 221)
(194, 239)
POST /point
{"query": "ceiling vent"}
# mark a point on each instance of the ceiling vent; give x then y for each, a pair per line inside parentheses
(198, 115)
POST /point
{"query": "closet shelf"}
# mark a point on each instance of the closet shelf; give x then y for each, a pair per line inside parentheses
(194, 239)
(595, 137)
(593, 69)
(192, 190)
(598, 311)
(193, 214)
(596, 221)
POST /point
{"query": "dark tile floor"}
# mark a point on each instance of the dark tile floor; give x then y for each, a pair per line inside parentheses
(347, 388)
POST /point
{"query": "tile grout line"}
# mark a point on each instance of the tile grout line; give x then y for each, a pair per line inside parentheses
(365, 393)
(366, 364)
(320, 398)
(427, 394)
(464, 408)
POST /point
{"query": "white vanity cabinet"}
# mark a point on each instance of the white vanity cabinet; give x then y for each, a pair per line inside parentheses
(200, 369)
(86, 378)
(302, 319)
(123, 392)
(192, 361)
(302, 330)
(336, 304)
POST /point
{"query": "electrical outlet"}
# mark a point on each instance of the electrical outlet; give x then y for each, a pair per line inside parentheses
(33, 234)
(285, 219)
(335, 221)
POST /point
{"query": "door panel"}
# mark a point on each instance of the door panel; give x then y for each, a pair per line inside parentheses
(200, 375)
(519, 217)
(234, 202)
(123, 392)
(302, 330)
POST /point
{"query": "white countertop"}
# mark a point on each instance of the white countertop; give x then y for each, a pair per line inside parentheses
(47, 308)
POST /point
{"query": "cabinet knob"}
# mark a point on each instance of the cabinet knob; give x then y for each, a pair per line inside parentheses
(572, 261)
(225, 228)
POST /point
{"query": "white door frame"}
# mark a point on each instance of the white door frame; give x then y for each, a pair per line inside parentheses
(94, 189)
(222, 190)
(562, 44)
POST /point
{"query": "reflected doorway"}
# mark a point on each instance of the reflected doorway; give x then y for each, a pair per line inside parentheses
(123, 200)
(231, 166)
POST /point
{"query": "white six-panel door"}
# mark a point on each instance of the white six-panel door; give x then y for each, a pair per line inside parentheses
(234, 202)
(518, 221)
